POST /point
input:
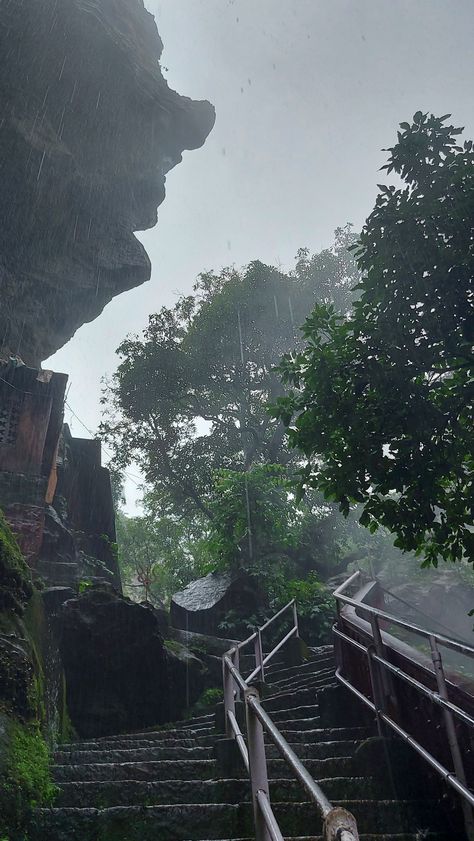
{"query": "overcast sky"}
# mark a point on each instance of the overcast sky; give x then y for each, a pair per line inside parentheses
(307, 93)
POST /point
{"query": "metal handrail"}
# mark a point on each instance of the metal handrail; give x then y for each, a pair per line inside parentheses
(266, 625)
(380, 671)
(454, 645)
(433, 696)
(338, 822)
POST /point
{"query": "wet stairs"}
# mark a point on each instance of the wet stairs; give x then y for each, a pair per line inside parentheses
(167, 785)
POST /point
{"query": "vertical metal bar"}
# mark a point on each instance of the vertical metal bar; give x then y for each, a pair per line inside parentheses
(236, 662)
(377, 692)
(259, 654)
(295, 619)
(258, 765)
(379, 647)
(229, 699)
(451, 734)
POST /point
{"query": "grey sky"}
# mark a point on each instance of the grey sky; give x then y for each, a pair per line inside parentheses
(307, 92)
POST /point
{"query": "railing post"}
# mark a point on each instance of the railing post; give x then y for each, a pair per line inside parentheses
(236, 662)
(379, 648)
(257, 764)
(295, 619)
(229, 698)
(259, 654)
(451, 734)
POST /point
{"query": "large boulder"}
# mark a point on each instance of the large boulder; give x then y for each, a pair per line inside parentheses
(203, 605)
(119, 674)
(88, 131)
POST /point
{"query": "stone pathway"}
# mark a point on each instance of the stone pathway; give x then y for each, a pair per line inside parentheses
(165, 785)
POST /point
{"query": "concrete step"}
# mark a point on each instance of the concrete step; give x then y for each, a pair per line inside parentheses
(214, 821)
(151, 753)
(307, 711)
(163, 769)
(318, 750)
(309, 667)
(298, 698)
(185, 732)
(373, 816)
(133, 793)
(138, 823)
(307, 679)
(433, 836)
(324, 734)
(127, 743)
(191, 724)
(338, 766)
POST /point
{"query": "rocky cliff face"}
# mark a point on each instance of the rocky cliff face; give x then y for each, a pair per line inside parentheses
(88, 130)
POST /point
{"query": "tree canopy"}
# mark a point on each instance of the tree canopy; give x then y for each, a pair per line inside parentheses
(381, 402)
(190, 395)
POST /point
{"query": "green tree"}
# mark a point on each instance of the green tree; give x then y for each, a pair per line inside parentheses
(190, 396)
(158, 556)
(381, 405)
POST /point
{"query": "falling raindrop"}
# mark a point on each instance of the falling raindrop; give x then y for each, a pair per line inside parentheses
(240, 338)
(249, 518)
(290, 307)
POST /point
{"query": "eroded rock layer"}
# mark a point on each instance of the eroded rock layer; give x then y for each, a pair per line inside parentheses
(88, 130)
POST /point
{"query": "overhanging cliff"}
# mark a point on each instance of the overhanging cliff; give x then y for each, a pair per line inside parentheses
(88, 130)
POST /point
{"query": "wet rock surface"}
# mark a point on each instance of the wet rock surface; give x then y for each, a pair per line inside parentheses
(89, 128)
(119, 674)
(203, 604)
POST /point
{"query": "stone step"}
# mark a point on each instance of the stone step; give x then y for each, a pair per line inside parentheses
(307, 679)
(127, 743)
(337, 766)
(433, 836)
(162, 769)
(318, 750)
(213, 821)
(322, 734)
(298, 698)
(133, 793)
(191, 724)
(138, 823)
(160, 735)
(310, 666)
(153, 752)
(307, 711)
(376, 816)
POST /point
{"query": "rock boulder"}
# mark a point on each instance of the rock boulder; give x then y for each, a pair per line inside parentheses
(203, 604)
(119, 674)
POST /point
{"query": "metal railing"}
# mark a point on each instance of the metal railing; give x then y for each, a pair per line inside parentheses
(383, 693)
(339, 824)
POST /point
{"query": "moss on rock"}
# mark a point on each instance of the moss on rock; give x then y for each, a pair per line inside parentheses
(25, 780)
(15, 576)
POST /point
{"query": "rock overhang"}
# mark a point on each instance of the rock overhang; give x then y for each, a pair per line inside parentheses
(89, 130)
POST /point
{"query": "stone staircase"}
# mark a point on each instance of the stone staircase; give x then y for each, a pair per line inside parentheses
(167, 784)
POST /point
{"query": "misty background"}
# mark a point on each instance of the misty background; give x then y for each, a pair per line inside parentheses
(307, 93)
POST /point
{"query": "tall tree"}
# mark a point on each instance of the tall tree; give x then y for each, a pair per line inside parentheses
(381, 406)
(190, 396)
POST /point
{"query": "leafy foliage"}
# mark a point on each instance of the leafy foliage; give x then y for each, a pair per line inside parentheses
(158, 557)
(15, 576)
(382, 401)
(189, 397)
